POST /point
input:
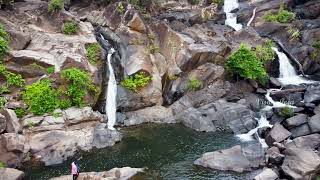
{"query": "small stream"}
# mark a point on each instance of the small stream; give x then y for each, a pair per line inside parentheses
(168, 151)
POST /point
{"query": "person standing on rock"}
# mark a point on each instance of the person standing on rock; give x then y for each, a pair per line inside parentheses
(74, 171)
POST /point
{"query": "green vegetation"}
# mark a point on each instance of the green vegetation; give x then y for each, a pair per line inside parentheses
(79, 84)
(174, 77)
(4, 41)
(3, 102)
(11, 79)
(286, 112)
(194, 2)
(295, 33)
(246, 64)
(20, 112)
(93, 53)
(283, 16)
(41, 97)
(194, 84)
(264, 52)
(55, 5)
(121, 8)
(136, 82)
(50, 70)
(316, 44)
(2, 165)
(220, 3)
(70, 28)
(30, 124)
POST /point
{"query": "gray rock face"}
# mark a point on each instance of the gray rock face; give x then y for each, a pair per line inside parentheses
(234, 159)
(13, 148)
(273, 156)
(300, 163)
(13, 125)
(115, 173)
(314, 123)
(76, 115)
(312, 94)
(267, 174)
(11, 174)
(301, 130)
(296, 121)
(311, 141)
(220, 114)
(3, 123)
(277, 134)
(104, 137)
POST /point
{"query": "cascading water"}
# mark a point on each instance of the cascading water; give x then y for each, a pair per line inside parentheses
(111, 101)
(231, 18)
(288, 74)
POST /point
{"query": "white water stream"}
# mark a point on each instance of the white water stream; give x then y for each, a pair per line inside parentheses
(111, 102)
(231, 18)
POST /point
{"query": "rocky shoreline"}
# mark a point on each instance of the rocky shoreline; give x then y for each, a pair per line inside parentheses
(174, 43)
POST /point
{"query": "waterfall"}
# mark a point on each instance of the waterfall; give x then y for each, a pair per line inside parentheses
(111, 101)
(252, 17)
(231, 18)
(288, 74)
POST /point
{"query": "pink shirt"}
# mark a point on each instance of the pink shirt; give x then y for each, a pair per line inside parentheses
(74, 169)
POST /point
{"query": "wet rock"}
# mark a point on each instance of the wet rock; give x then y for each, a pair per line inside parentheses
(13, 149)
(115, 173)
(273, 156)
(296, 120)
(277, 134)
(300, 163)
(274, 82)
(234, 159)
(316, 110)
(312, 94)
(267, 174)
(310, 142)
(13, 125)
(104, 137)
(312, 7)
(11, 174)
(3, 123)
(314, 123)
(301, 130)
(155, 114)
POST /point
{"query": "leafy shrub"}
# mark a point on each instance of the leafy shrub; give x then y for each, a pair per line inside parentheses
(2, 165)
(55, 5)
(93, 53)
(41, 97)
(194, 84)
(286, 112)
(3, 102)
(20, 112)
(246, 64)
(264, 52)
(11, 79)
(316, 44)
(79, 84)
(50, 70)
(136, 82)
(4, 41)
(283, 16)
(70, 28)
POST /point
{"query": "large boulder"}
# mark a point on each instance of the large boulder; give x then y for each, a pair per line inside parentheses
(267, 174)
(301, 130)
(13, 149)
(311, 141)
(79, 115)
(104, 137)
(300, 163)
(13, 125)
(234, 159)
(314, 123)
(3, 123)
(277, 134)
(11, 174)
(115, 173)
(295, 121)
(312, 94)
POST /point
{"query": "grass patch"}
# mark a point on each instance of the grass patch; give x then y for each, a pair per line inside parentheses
(93, 53)
(283, 16)
(20, 112)
(264, 52)
(136, 82)
(55, 5)
(11, 80)
(4, 41)
(3, 102)
(286, 112)
(2, 165)
(316, 44)
(152, 48)
(294, 32)
(70, 28)
(194, 84)
(50, 70)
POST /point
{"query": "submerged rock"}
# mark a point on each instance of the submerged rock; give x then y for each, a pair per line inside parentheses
(236, 159)
(115, 173)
